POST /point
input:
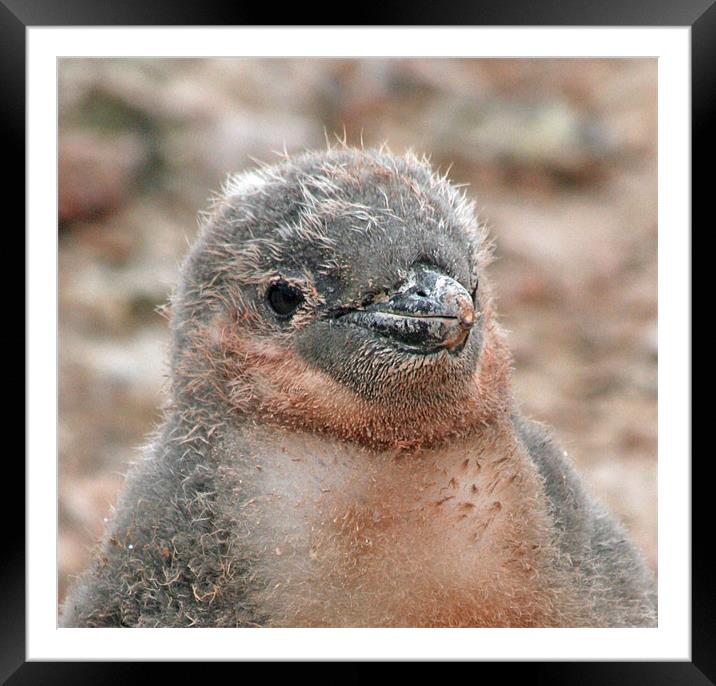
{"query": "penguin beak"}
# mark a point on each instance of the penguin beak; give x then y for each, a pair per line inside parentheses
(430, 312)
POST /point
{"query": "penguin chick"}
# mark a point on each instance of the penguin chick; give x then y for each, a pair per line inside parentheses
(341, 447)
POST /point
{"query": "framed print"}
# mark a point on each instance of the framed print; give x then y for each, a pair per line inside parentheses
(336, 388)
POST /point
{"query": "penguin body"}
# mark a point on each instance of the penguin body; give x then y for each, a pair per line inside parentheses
(341, 447)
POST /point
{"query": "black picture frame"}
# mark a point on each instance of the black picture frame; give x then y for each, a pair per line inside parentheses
(17, 15)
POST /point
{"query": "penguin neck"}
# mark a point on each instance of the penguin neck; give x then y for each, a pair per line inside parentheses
(228, 379)
(424, 418)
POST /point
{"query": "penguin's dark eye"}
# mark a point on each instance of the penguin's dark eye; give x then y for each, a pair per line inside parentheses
(284, 298)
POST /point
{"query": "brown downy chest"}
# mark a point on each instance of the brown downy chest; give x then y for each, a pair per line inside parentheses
(335, 535)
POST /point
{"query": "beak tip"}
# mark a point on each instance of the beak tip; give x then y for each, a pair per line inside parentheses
(465, 313)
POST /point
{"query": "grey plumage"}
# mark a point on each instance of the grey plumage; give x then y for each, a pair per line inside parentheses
(356, 459)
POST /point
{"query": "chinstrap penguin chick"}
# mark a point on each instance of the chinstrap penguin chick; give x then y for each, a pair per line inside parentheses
(341, 447)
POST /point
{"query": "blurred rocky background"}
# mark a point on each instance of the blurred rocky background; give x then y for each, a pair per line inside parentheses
(560, 154)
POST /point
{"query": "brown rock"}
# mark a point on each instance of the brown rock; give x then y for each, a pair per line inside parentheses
(96, 173)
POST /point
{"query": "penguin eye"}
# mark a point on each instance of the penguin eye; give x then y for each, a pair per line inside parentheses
(284, 299)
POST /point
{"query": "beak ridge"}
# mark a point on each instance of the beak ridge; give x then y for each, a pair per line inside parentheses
(429, 312)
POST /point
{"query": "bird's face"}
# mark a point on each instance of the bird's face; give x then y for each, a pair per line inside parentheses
(402, 314)
(358, 268)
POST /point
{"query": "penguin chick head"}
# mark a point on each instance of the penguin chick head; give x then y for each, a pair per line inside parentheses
(341, 291)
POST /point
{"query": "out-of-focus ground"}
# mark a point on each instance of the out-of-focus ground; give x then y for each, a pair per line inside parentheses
(560, 154)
